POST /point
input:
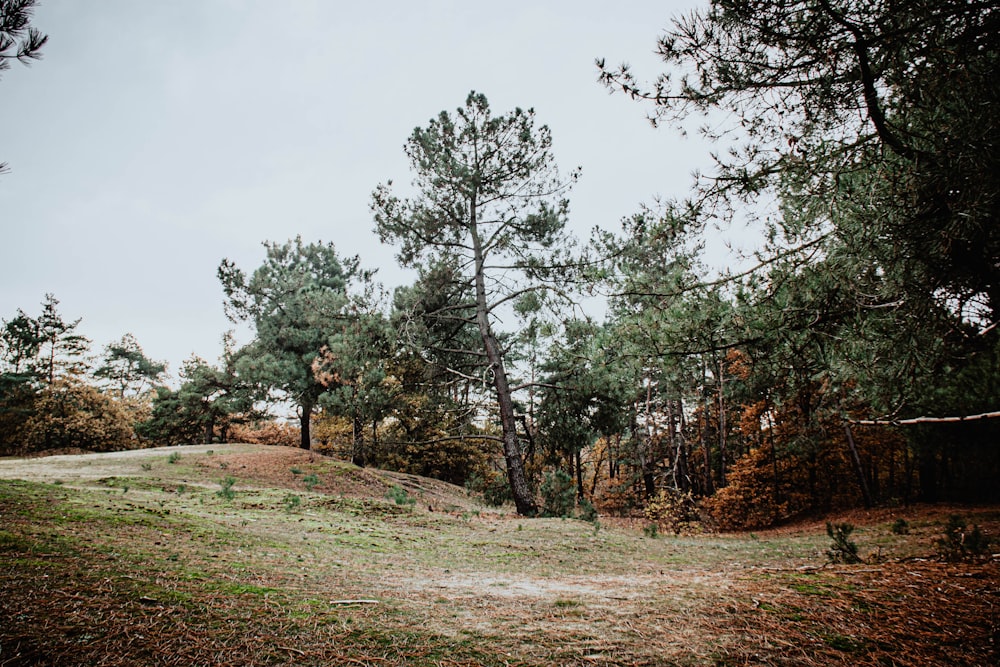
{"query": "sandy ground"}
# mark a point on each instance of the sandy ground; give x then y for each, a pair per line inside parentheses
(81, 468)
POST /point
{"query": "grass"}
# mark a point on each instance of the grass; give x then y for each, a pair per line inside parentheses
(260, 578)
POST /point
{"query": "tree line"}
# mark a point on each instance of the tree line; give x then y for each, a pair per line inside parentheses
(835, 370)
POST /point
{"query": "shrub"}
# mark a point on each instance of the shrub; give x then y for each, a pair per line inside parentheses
(310, 481)
(961, 543)
(587, 511)
(226, 488)
(266, 433)
(900, 527)
(174, 457)
(68, 415)
(748, 501)
(558, 494)
(842, 550)
(674, 509)
(400, 496)
(291, 502)
(491, 487)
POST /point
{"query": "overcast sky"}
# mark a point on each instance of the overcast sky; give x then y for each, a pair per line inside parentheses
(157, 138)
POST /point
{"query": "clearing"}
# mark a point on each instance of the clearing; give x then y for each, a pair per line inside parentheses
(253, 555)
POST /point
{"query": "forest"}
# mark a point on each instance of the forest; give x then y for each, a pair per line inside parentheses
(851, 361)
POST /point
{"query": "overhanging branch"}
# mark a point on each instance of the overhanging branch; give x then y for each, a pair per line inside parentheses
(925, 420)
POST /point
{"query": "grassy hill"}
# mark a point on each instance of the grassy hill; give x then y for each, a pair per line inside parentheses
(251, 555)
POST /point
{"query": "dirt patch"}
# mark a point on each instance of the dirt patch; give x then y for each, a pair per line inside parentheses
(136, 559)
(260, 465)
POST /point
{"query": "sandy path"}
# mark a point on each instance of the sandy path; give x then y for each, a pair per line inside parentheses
(70, 468)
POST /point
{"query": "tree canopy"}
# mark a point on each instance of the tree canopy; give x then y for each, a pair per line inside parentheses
(294, 300)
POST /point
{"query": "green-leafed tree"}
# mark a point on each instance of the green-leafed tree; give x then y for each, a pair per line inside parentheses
(575, 393)
(490, 207)
(62, 351)
(19, 40)
(354, 366)
(126, 369)
(295, 300)
(871, 127)
(817, 91)
(209, 399)
(19, 346)
(44, 402)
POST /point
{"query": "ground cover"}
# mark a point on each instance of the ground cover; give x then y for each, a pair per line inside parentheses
(247, 555)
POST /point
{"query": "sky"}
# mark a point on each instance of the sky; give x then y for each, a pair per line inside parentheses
(155, 139)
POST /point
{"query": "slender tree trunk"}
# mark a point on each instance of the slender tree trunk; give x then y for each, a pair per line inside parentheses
(523, 498)
(597, 466)
(648, 480)
(703, 427)
(722, 426)
(304, 418)
(858, 469)
(683, 465)
(891, 482)
(613, 456)
(579, 475)
(357, 439)
(774, 459)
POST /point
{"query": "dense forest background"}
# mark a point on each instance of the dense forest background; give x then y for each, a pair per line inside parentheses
(853, 360)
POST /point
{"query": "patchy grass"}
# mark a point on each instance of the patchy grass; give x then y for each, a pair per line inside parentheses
(90, 574)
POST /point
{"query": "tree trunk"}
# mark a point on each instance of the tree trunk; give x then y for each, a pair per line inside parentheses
(703, 427)
(358, 440)
(722, 428)
(858, 469)
(682, 464)
(523, 498)
(304, 418)
(649, 431)
(774, 459)
(597, 467)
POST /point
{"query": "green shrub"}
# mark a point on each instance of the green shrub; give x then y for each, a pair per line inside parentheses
(558, 494)
(291, 502)
(174, 457)
(900, 527)
(961, 543)
(310, 481)
(226, 488)
(492, 488)
(587, 511)
(842, 550)
(400, 496)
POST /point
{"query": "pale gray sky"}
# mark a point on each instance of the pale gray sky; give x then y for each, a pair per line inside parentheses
(156, 138)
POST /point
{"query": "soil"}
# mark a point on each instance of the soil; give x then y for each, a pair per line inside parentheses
(132, 558)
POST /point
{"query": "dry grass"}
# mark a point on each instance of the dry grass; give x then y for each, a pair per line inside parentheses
(136, 560)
